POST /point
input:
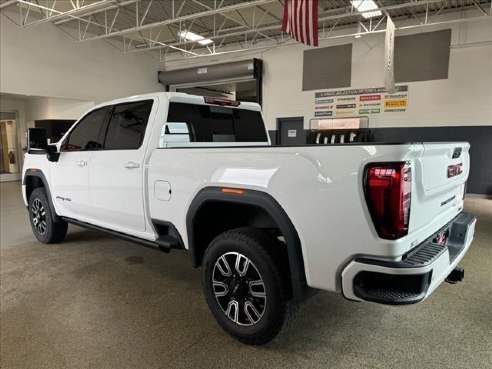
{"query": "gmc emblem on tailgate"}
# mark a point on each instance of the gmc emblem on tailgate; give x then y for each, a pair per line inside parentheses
(454, 170)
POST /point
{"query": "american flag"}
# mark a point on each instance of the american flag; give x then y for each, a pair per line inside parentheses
(301, 20)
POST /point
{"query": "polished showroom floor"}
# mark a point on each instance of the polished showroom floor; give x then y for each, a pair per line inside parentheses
(95, 301)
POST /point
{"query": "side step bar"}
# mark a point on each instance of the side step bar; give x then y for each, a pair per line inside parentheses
(164, 243)
(167, 242)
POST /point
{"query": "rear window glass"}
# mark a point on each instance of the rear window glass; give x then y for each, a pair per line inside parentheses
(210, 123)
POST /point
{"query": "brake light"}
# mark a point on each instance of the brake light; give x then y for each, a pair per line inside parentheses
(221, 102)
(388, 190)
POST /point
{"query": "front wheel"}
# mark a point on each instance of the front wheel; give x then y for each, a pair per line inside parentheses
(45, 229)
(243, 285)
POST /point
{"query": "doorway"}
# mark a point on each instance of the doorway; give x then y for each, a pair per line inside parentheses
(9, 148)
(290, 131)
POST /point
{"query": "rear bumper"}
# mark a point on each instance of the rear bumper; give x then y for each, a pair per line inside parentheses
(416, 276)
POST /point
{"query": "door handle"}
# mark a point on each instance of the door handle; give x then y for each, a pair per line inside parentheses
(82, 163)
(131, 165)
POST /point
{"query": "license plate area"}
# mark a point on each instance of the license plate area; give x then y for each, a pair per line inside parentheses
(441, 237)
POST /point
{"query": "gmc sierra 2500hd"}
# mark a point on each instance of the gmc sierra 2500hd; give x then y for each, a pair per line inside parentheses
(268, 225)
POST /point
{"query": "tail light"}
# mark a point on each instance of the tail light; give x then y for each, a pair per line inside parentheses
(388, 191)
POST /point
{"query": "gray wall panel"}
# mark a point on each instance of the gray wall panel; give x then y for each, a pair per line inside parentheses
(422, 57)
(327, 67)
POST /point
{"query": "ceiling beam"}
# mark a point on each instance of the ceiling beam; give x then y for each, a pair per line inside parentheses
(182, 19)
(7, 3)
(278, 26)
(110, 7)
(72, 14)
(351, 34)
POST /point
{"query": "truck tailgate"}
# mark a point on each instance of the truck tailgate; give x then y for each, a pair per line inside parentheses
(440, 177)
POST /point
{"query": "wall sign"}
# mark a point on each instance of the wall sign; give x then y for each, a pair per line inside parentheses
(292, 133)
(339, 123)
(362, 101)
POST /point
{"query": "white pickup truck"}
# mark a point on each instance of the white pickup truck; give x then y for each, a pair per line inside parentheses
(269, 225)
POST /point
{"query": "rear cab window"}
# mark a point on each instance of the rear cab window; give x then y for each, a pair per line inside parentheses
(219, 124)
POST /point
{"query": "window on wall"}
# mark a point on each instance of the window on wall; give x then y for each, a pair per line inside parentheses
(327, 67)
(218, 123)
(422, 57)
(126, 128)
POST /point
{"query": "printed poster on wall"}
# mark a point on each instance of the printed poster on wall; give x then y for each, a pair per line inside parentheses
(360, 102)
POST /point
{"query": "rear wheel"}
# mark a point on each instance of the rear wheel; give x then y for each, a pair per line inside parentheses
(43, 226)
(243, 285)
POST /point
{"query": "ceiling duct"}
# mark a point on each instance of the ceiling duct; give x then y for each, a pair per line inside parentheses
(216, 72)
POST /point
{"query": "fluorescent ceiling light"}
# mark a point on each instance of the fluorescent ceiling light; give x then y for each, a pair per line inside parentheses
(205, 41)
(190, 36)
(365, 6)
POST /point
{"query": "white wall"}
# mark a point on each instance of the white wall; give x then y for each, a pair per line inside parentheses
(51, 108)
(69, 77)
(465, 98)
(44, 61)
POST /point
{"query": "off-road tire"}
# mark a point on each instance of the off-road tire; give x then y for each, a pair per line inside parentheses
(261, 249)
(45, 229)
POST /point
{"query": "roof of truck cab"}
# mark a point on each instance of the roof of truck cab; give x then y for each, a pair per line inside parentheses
(172, 96)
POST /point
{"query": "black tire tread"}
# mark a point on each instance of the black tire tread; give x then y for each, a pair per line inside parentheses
(56, 231)
(263, 244)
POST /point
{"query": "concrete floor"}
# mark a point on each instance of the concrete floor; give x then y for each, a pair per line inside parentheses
(99, 302)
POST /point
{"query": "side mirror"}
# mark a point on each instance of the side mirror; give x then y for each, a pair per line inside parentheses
(174, 134)
(52, 153)
(37, 140)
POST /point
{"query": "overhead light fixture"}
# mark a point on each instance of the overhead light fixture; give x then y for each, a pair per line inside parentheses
(191, 36)
(364, 7)
(141, 45)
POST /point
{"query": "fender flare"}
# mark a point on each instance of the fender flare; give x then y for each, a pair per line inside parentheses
(267, 203)
(39, 174)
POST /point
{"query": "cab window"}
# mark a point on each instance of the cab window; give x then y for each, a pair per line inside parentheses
(126, 128)
(87, 133)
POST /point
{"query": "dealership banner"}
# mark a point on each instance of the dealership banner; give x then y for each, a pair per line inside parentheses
(362, 101)
(389, 56)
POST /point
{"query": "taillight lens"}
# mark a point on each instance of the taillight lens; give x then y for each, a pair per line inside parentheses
(388, 190)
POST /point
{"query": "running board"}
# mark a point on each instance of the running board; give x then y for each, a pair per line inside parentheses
(163, 243)
(166, 243)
